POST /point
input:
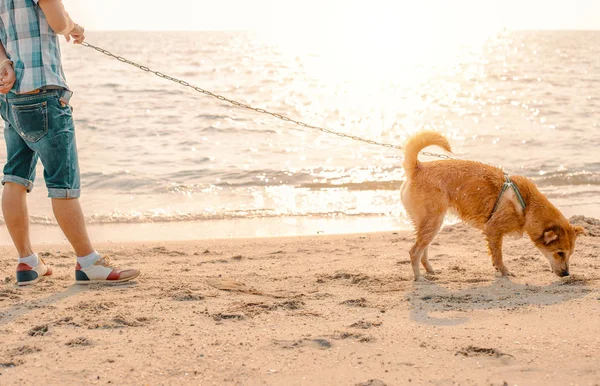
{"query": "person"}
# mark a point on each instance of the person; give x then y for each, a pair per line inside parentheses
(34, 104)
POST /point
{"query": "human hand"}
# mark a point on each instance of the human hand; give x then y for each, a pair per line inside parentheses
(7, 78)
(77, 34)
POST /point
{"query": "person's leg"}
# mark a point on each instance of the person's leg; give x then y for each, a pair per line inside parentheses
(70, 218)
(91, 266)
(14, 208)
(19, 173)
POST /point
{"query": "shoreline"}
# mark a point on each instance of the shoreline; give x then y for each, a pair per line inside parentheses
(225, 229)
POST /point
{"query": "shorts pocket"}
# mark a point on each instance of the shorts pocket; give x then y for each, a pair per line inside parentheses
(31, 121)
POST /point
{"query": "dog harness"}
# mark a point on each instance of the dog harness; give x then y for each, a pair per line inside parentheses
(507, 185)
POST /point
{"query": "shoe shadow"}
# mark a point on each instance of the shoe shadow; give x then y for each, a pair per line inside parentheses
(11, 313)
(431, 301)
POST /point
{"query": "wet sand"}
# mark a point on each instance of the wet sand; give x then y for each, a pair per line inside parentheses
(315, 310)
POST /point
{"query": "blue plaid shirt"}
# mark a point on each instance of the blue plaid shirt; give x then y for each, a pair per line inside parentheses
(31, 44)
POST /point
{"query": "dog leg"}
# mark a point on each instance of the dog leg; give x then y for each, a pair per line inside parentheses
(504, 221)
(415, 255)
(495, 249)
(425, 262)
(426, 231)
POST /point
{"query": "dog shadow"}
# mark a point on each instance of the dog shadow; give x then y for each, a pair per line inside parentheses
(430, 300)
(19, 309)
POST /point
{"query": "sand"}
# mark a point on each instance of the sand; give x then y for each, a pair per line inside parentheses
(322, 310)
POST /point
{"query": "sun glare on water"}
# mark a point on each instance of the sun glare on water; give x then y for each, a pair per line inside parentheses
(379, 39)
(380, 52)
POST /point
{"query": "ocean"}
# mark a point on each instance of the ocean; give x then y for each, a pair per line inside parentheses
(160, 161)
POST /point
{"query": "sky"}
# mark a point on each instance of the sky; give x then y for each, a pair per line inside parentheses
(297, 17)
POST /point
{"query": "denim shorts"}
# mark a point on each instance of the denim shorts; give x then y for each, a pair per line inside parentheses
(40, 126)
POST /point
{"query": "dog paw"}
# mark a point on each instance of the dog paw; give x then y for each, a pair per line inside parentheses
(507, 273)
(421, 279)
(504, 271)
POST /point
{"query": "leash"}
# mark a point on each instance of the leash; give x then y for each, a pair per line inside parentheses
(258, 110)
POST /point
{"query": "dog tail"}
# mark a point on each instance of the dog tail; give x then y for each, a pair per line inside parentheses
(416, 143)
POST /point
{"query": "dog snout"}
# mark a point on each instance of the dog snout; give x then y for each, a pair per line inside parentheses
(563, 273)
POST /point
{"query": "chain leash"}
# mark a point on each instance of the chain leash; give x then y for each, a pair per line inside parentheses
(258, 110)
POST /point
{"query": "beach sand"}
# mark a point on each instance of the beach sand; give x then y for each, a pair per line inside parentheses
(318, 310)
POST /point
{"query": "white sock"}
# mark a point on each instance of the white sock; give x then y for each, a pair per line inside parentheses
(87, 261)
(31, 261)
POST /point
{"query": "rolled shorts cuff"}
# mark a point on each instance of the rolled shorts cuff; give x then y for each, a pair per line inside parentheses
(19, 180)
(64, 193)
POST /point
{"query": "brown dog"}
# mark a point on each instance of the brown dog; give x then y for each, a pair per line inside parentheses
(472, 190)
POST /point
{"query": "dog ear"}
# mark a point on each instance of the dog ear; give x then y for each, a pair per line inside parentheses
(550, 236)
(579, 230)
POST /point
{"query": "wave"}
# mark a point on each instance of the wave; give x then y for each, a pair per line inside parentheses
(567, 179)
(202, 178)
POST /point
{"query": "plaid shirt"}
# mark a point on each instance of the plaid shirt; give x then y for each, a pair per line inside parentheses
(31, 44)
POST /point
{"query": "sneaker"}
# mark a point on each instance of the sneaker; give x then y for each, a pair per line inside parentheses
(28, 275)
(102, 272)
